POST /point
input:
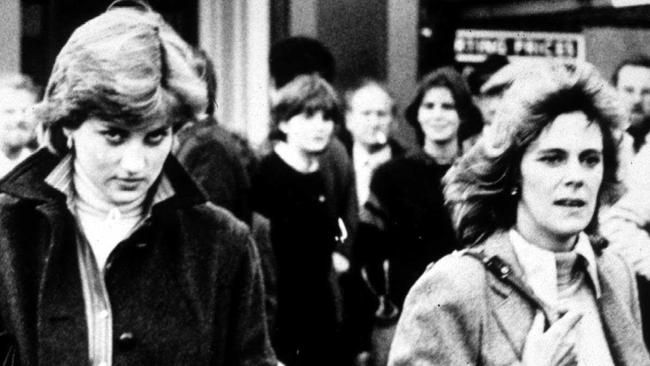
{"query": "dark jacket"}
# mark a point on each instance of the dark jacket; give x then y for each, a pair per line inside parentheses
(404, 221)
(185, 288)
(213, 157)
(304, 232)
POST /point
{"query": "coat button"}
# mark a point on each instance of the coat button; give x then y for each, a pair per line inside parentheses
(126, 340)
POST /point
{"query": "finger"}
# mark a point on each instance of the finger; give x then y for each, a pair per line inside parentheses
(563, 326)
(567, 355)
(537, 328)
(569, 359)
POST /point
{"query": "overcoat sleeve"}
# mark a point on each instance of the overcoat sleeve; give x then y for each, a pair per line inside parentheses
(250, 344)
(441, 323)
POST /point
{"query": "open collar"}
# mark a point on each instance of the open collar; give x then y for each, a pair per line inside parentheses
(61, 179)
(539, 266)
(28, 181)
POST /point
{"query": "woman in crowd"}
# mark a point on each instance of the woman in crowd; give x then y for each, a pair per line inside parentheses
(404, 220)
(536, 286)
(445, 119)
(404, 223)
(291, 190)
(109, 252)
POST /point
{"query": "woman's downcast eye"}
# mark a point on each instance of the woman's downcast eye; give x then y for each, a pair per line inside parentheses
(589, 159)
(592, 159)
(156, 137)
(552, 159)
(114, 136)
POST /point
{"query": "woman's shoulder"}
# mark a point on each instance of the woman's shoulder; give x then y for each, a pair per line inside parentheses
(455, 278)
(216, 217)
(215, 226)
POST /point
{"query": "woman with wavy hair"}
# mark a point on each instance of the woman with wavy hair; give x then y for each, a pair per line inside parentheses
(404, 223)
(109, 252)
(536, 285)
(404, 219)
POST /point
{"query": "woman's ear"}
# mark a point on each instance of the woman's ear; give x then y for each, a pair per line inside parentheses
(69, 142)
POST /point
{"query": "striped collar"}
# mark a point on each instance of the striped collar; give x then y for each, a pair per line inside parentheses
(61, 179)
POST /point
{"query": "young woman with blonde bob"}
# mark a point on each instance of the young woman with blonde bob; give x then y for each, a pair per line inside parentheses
(109, 253)
(537, 285)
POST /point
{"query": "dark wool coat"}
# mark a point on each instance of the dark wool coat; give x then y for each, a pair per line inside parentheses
(185, 288)
(213, 157)
(404, 221)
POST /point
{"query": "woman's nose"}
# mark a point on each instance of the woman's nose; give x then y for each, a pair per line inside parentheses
(575, 173)
(133, 158)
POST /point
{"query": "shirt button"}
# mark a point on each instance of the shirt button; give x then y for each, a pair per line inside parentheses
(321, 198)
(126, 340)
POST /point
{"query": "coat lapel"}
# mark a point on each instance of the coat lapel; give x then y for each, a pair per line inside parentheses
(623, 333)
(61, 313)
(505, 302)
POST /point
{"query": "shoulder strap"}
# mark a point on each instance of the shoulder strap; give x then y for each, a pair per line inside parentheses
(504, 273)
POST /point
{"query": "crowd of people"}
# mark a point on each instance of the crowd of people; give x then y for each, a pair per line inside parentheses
(135, 229)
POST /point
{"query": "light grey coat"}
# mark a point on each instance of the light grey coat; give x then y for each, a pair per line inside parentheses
(459, 314)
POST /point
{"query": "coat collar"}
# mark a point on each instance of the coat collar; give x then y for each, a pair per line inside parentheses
(27, 181)
(622, 332)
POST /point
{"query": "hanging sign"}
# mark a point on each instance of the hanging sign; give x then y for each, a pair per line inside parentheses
(472, 46)
(624, 3)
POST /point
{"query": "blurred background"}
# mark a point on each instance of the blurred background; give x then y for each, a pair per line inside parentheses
(394, 40)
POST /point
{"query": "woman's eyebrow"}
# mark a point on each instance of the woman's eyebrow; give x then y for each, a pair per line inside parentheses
(551, 150)
(159, 129)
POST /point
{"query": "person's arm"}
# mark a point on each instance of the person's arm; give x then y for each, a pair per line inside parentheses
(249, 343)
(626, 223)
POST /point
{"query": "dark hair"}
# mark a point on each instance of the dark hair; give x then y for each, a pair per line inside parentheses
(295, 56)
(126, 65)
(471, 120)
(478, 188)
(483, 71)
(636, 60)
(305, 94)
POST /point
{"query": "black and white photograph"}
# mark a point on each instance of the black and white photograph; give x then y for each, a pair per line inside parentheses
(325, 182)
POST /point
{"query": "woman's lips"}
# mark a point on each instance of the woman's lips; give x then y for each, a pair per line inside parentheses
(570, 202)
(129, 183)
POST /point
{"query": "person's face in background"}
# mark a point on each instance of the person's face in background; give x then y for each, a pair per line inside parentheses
(308, 134)
(369, 117)
(123, 162)
(634, 88)
(17, 127)
(438, 116)
(561, 175)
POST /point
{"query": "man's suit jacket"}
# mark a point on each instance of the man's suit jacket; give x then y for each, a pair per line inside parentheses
(460, 314)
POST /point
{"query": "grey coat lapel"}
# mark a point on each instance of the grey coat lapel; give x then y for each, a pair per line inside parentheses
(505, 302)
(622, 331)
